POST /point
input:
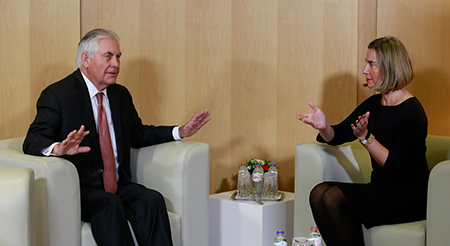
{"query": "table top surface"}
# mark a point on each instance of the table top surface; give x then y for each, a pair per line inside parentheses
(288, 196)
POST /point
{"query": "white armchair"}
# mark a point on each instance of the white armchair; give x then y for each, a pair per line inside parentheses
(179, 170)
(316, 162)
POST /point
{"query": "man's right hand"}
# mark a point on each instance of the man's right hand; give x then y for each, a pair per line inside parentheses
(71, 145)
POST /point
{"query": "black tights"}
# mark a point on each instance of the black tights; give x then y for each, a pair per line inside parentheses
(337, 223)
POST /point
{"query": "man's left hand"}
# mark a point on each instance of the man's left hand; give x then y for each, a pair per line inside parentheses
(193, 125)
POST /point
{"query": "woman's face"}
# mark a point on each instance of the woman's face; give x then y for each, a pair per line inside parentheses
(371, 69)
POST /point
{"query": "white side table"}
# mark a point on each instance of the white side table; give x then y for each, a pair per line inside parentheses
(248, 223)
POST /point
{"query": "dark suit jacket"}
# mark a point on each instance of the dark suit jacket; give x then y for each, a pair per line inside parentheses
(65, 105)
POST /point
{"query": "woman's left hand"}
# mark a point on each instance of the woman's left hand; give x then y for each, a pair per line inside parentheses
(360, 126)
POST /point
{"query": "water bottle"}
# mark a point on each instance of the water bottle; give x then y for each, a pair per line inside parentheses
(280, 239)
(271, 182)
(315, 238)
(244, 182)
(258, 182)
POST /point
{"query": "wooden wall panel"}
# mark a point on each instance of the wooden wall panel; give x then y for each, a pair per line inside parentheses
(54, 36)
(253, 82)
(367, 31)
(340, 46)
(38, 46)
(424, 29)
(153, 62)
(317, 44)
(254, 64)
(299, 78)
(88, 15)
(209, 83)
(15, 67)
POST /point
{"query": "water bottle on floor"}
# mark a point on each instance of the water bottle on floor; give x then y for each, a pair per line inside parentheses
(315, 238)
(280, 239)
(271, 182)
(244, 182)
(258, 182)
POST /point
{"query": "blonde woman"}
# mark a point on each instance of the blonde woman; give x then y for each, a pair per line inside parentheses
(392, 125)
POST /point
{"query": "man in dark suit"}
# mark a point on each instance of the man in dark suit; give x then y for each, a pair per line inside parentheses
(67, 125)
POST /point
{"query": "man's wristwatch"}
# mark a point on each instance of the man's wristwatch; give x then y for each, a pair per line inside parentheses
(367, 140)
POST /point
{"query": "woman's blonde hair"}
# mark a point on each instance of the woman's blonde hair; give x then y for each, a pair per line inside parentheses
(393, 62)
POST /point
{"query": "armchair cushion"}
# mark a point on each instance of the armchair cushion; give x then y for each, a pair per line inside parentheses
(411, 234)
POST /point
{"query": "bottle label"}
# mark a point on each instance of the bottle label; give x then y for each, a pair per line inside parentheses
(256, 177)
(318, 241)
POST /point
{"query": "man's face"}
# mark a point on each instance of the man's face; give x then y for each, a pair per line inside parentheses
(103, 69)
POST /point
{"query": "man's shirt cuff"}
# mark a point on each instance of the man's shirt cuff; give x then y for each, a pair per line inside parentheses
(176, 134)
(48, 151)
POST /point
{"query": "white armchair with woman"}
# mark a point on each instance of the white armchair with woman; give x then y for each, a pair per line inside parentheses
(392, 126)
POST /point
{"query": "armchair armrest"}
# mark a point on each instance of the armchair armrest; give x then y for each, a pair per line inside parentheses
(180, 171)
(17, 209)
(317, 162)
(438, 216)
(57, 193)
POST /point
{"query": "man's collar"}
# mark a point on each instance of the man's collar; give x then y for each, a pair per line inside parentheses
(91, 87)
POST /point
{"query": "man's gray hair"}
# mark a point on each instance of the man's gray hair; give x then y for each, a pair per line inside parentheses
(89, 43)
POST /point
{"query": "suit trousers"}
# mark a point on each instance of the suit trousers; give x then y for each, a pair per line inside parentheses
(108, 214)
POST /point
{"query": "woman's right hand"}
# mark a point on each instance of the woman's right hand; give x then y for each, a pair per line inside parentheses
(317, 119)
